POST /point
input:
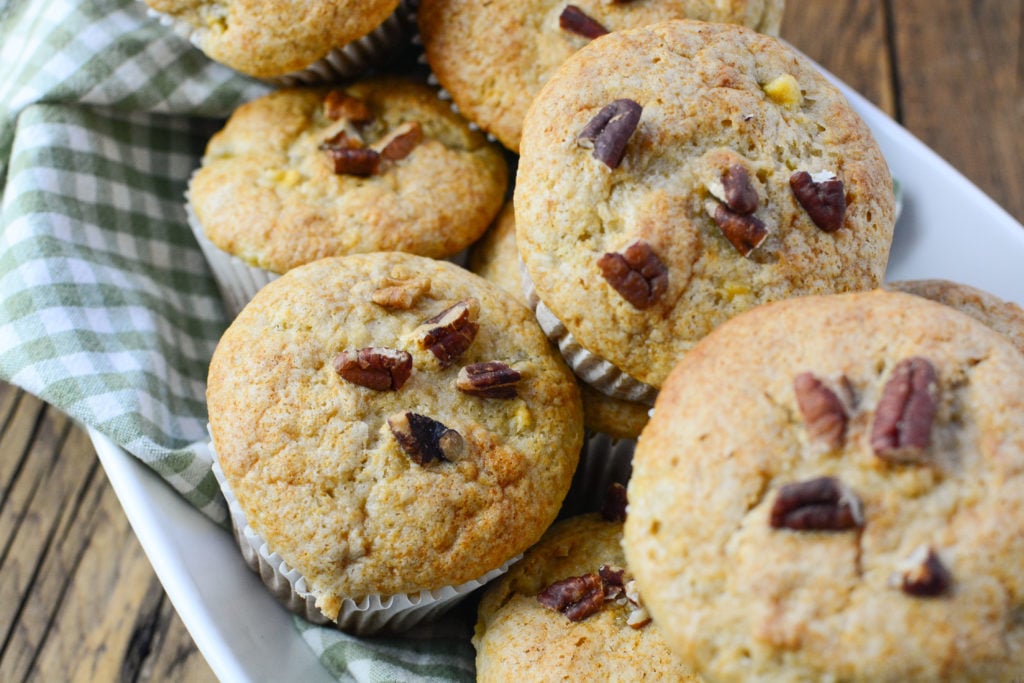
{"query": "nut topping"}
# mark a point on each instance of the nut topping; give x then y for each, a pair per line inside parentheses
(400, 142)
(400, 294)
(491, 379)
(353, 160)
(613, 508)
(340, 105)
(425, 440)
(745, 233)
(577, 597)
(377, 368)
(637, 274)
(823, 198)
(739, 193)
(822, 504)
(613, 576)
(610, 130)
(822, 410)
(903, 418)
(923, 575)
(638, 616)
(449, 333)
(574, 20)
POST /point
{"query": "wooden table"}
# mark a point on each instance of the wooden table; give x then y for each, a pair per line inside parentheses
(80, 600)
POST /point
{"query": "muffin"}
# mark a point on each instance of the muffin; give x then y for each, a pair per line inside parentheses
(300, 174)
(832, 488)
(391, 425)
(289, 42)
(493, 57)
(522, 634)
(678, 174)
(1004, 317)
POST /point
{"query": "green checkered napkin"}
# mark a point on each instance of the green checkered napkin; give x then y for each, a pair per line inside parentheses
(107, 308)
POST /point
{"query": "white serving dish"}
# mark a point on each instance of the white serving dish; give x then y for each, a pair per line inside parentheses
(948, 229)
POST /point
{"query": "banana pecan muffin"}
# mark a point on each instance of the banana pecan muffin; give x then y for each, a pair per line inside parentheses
(493, 56)
(832, 488)
(379, 165)
(303, 40)
(391, 424)
(677, 174)
(569, 611)
(1004, 317)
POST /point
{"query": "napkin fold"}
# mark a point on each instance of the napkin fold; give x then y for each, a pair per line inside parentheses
(107, 308)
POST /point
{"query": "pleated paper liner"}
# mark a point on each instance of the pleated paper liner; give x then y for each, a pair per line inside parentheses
(363, 616)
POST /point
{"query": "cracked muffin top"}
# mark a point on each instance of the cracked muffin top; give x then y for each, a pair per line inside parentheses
(390, 423)
(677, 174)
(832, 488)
(379, 165)
(267, 38)
(493, 56)
(524, 633)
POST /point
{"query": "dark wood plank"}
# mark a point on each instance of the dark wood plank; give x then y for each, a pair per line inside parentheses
(848, 38)
(961, 76)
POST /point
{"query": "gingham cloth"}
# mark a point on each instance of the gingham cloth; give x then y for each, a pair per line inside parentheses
(107, 308)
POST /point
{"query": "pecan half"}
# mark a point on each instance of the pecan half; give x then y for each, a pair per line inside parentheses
(354, 160)
(609, 131)
(822, 504)
(577, 597)
(823, 412)
(449, 333)
(425, 440)
(377, 368)
(902, 428)
(745, 233)
(491, 379)
(613, 507)
(400, 294)
(637, 274)
(575, 20)
(923, 574)
(340, 105)
(738, 192)
(399, 143)
(824, 200)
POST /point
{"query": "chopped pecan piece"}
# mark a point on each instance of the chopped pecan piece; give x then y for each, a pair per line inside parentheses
(823, 412)
(399, 143)
(612, 575)
(491, 379)
(745, 233)
(340, 105)
(425, 440)
(575, 20)
(637, 274)
(609, 131)
(823, 199)
(923, 575)
(400, 294)
(354, 160)
(577, 597)
(638, 616)
(902, 428)
(738, 192)
(377, 368)
(822, 504)
(613, 508)
(449, 333)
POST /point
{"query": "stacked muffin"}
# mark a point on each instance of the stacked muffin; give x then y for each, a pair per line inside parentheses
(693, 202)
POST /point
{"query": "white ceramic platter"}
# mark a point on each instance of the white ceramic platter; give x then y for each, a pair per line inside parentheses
(948, 229)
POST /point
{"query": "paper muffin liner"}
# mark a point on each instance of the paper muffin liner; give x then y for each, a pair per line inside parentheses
(588, 366)
(364, 616)
(603, 461)
(342, 62)
(237, 281)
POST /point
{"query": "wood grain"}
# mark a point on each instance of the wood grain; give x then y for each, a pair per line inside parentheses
(80, 599)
